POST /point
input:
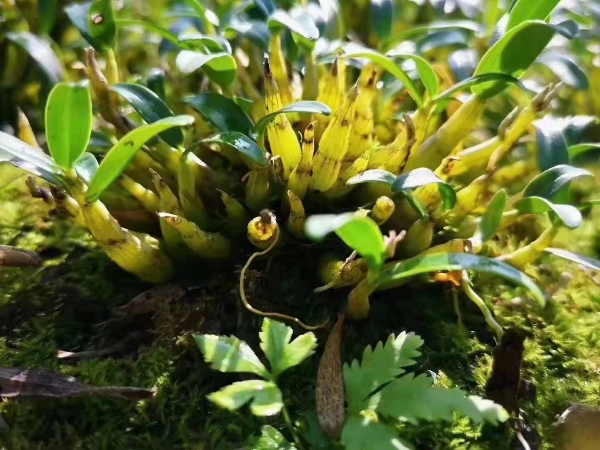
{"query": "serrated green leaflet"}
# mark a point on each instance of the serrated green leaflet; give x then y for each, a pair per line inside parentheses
(363, 433)
(221, 111)
(30, 159)
(379, 366)
(569, 215)
(307, 107)
(150, 107)
(264, 397)
(68, 122)
(551, 182)
(122, 152)
(41, 52)
(491, 219)
(281, 351)
(392, 273)
(229, 354)
(410, 399)
(359, 233)
(241, 143)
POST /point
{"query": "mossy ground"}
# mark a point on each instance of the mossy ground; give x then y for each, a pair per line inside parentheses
(68, 304)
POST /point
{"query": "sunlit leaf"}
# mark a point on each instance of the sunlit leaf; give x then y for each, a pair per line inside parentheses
(101, 22)
(219, 67)
(492, 217)
(569, 215)
(229, 354)
(550, 183)
(302, 25)
(221, 111)
(422, 177)
(426, 72)
(523, 10)
(41, 52)
(241, 143)
(552, 147)
(264, 397)
(582, 260)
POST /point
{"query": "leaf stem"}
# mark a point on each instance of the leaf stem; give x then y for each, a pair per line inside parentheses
(487, 314)
(288, 421)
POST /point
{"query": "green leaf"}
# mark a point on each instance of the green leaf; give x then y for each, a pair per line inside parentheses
(579, 149)
(122, 152)
(282, 354)
(382, 18)
(476, 80)
(437, 262)
(550, 182)
(204, 43)
(101, 23)
(255, 31)
(265, 397)
(86, 167)
(78, 13)
(302, 25)
(440, 25)
(48, 10)
(422, 177)
(513, 54)
(266, 6)
(565, 69)
(229, 354)
(270, 439)
(362, 433)
(426, 72)
(221, 111)
(552, 147)
(378, 367)
(150, 107)
(524, 10)
(492, 217)
(162, 32)
(410, 399)
(359, 233)
(389, 65)
(219, 67)
(30, 159)
(241, 143)
(305, 106)
(585, 261)
(41, 52)
(68, 122)
(569, 215)
(373, 176)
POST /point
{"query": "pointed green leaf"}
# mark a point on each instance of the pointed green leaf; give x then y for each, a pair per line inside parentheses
(373, 176)
(306, 106)
(422, 177)
(101, 23)
(552, 147)
(265, 397)
(426, 72)
(241, 143)
(86, 167)
(524, 10)
(41, 52)
(551, 182)
(30, 159)
(569, 215)
(382, 18)
(582, 260)
(359, 233)
(389, 65)
(476, 80)
(438, 262)
(78, 13)
(282, 354)
(202, 42)
(410, 399)
(219, 67)
(117, 158)
(378, 367)
(150, 107)
(492, 217)
(68, 122)
(270, 439)
(221, 111)
(229, 354)
(362, 433)
(514, 53)
(580, 149)
(302, 25)
(162, 32)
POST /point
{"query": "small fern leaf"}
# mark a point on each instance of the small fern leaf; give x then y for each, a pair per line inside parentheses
(411, 399)
(379, 366)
